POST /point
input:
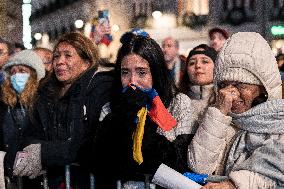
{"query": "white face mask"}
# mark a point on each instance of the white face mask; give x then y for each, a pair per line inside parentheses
(19, 81)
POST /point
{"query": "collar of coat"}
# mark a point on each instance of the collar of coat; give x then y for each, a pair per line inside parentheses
(267, 117)
(82, 86)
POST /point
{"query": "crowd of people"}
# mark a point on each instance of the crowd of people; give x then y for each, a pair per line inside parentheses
(70, 119)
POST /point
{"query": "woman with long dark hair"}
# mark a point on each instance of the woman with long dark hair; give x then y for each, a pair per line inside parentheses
(149, 123)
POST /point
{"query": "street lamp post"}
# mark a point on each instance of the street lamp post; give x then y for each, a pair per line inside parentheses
(26, 12)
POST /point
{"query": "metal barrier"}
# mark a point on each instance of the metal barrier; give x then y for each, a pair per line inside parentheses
(19, 184)
(146, 185)
(120, 185)
(68, 178)
(45, 180)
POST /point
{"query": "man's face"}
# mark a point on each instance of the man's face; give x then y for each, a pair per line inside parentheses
(46, 58)
(217, 41)
(170, 49)
(4, 54)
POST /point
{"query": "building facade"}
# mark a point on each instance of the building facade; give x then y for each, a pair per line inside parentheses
(186, 20)
(11, 20)
(250, 15)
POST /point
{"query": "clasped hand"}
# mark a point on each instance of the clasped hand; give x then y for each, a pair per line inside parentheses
(225, 98)
(30, 165)
(221, 185)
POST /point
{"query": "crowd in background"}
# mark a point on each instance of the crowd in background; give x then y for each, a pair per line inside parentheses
(219, 111)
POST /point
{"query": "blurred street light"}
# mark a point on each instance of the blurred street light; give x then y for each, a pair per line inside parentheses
(37, 36)
(278, 44)
(115, 28)
(165, 21)
(87, 28)
(79, 24)
(157, 15)
(277, 30)
(45, 39)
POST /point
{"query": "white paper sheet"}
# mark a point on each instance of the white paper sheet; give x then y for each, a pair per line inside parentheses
(171, 179)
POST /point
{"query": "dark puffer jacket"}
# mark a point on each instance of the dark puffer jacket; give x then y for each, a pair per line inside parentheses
(13, 122)
(3, 109)
(65, 126)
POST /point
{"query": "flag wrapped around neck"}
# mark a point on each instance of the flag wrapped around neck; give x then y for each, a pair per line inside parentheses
(156, 109)
(138, 135)
(157, 113)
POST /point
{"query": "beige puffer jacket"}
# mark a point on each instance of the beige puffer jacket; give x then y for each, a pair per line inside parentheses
(249, 53)
(2, 177)
(201, 97)
(180, 108)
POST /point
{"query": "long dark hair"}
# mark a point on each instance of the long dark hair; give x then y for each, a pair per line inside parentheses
(148, 49)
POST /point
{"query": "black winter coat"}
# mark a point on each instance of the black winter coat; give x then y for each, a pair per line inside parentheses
(13, 122)
(66, 126)
(3, 109)
(113, 150)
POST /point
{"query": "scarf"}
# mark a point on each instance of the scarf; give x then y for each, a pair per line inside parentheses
(257, 147)
(138, 136)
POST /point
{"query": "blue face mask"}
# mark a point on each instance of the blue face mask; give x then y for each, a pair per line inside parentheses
(19, 81)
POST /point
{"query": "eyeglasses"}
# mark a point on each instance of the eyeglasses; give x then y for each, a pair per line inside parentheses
(239, 86)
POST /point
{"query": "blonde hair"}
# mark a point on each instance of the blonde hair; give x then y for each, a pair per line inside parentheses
(26, 98)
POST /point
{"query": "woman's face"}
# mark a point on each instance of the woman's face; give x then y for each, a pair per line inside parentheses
(200, 69)
(135, 70)
(245, 94)
(20, 69)
(67, 63)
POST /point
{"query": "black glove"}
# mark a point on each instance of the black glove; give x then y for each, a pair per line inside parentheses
(131, 101)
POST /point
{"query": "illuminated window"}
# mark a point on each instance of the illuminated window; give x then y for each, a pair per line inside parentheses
(198, 7)
(277, 11)
(238, 11)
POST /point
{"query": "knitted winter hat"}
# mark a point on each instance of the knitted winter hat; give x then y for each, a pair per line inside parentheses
(246, 57)
(27, 58)
(239, 74)
(208, 51)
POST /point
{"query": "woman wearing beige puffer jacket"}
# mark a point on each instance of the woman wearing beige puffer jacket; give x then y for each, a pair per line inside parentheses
(197, 82)
(242, 136)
